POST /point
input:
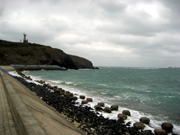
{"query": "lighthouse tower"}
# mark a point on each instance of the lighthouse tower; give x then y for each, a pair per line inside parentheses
(25, 40)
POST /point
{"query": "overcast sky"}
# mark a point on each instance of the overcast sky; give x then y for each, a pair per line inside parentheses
(133, 33)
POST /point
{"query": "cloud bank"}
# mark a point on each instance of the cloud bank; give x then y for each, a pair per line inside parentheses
(108, 32)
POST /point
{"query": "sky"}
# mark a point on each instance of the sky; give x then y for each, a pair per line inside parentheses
(124, 33)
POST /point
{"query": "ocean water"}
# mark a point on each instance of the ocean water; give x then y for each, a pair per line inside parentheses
(146, 92)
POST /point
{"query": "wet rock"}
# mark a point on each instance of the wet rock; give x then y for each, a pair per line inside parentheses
(159, 132)
(122, 116)
(62, 90)
(98, 108)
(147, 132)
(82, 97)
(139, 125)
(84, 102)
(126, 112)
(107, 110)
(75, 98)
(61, 93)
(101, 104)
(144, 120)
(168, 127)
(59, 89)
(114, 107)
(66, 94)
(89, 99)
(70, 94)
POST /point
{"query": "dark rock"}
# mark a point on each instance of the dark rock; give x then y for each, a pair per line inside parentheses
(168, 127)
(70, 94)
(147, 132)
(122, 116)
(107, 110)
(126, 112)
(66, 94)
(82, 97)
(61, 93)
(89, 99)
(144, 120)
(84, 102)
(101, 104)
(159, 132)
(138, 125)
(114, 107)
(75, 98)
(98, 108)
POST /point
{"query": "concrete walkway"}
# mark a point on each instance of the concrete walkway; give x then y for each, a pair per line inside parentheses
(31, 116)
(7, 125)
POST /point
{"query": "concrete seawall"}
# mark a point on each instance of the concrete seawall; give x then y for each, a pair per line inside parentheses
(30, 115)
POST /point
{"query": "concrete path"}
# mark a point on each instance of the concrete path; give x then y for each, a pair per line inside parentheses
(30, 114)
(7, 125)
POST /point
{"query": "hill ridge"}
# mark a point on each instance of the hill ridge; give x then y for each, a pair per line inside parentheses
(37, 54)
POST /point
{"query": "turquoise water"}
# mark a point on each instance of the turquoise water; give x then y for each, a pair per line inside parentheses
(149, 91)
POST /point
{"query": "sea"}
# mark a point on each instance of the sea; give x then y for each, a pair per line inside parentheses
(145, 92)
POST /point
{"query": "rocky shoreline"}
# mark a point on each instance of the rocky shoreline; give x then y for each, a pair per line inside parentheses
(86, 118)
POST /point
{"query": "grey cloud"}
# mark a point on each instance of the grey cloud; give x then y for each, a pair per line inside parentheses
(103, 31)
(112, 7)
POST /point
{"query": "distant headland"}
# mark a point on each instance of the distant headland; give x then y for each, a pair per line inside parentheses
(25, 53)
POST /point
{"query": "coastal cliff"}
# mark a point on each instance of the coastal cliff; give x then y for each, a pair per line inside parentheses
(36, 54)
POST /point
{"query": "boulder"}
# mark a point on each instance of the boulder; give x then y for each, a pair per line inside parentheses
(98, 108)
(75, 98)
(126, 112)
(168, 127)
(84, 102)
(122, 116)
(101, 104)
(55, 87)
(62, 90)
(107, 110)
(70, 94)
(160, 132)
(66, 94)
(89, 99)
(59, 89)
(144, 120)
(114, 107)
(139, 125)
(82, 97)
(61, 93)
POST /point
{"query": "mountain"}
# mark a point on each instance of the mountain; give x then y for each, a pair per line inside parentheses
(36, 54)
